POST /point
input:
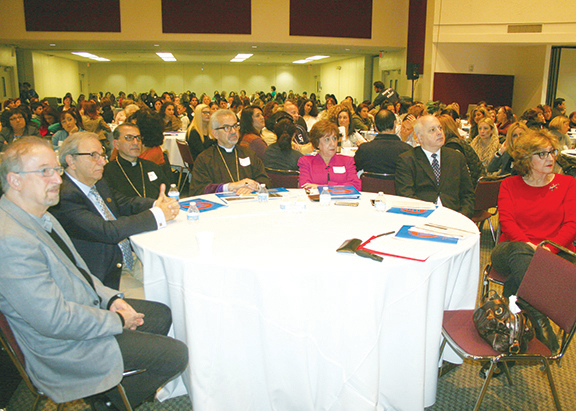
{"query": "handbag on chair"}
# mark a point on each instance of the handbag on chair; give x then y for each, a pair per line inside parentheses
(504, 330)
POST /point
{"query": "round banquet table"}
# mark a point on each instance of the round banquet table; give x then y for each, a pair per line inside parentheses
(275, 319)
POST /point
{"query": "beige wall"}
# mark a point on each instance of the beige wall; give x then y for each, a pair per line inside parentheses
(567, 79)
(8, 73)
(141, 22)
(487, 22)
(343, 78)
(54, 76)
(177, 77)
(526, 63)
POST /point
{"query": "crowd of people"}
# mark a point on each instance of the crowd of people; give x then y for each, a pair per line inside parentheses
(433, 152)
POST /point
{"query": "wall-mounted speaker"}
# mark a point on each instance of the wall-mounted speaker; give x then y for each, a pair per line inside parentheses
(412, 71)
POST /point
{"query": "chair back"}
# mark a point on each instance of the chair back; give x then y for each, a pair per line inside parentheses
(487, 191)
(185, 154)
(376, 182)
(549, 285)
(283, 178)
(13, 349)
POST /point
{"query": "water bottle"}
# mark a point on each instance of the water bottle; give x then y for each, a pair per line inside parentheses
(262, 194)
(173, 192)
(192, 214)
(300, 204)
(380, 202)
(325, 197)
(284, 203)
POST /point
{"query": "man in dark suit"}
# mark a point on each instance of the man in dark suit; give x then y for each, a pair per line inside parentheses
(98, 220)
(379, 155)
(435, 173)
(76, 334)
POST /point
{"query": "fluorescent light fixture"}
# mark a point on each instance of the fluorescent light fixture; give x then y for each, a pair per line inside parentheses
(310, 59)
(89, 56)
(166, 56)
(241, 57)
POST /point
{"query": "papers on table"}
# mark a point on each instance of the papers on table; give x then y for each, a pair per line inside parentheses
(203, 205)
(412, 233)
(400, 248)
(342, 192)
(408, 241)
(231, 196)
(412, 207)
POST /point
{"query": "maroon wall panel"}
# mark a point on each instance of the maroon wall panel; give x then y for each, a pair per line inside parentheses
(416, 33)
(66, 15)
(331, 18)
(207, 16)
(468, 89)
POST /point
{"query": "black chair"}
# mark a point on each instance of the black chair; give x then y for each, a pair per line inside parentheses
(283, 178)
(486, 193)
(13, 349)
(187, 159)
(376, 182)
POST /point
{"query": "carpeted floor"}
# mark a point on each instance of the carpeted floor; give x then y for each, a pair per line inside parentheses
(457, 390)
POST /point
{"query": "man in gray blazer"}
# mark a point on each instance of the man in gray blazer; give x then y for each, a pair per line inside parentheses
(77, 335)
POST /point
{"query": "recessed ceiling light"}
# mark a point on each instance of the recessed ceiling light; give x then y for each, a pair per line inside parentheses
(156, 45)
(310, 59)
(347, 49)
(166, 56)
(254, 47)
(241, 57)
(89, 56)
(52, 45)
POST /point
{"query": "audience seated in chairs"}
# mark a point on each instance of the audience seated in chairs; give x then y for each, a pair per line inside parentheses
(77, 335)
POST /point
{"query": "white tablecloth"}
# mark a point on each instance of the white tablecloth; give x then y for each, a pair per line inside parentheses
(170, 145)
(275, 319)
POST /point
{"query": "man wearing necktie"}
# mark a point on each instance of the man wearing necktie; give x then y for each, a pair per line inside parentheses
(99, 220)
(76, 334)
(435, 173)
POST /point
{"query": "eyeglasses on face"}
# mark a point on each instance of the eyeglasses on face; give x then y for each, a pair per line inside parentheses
(543, 155)
(94, 156)
(130, 137)
(228, 128)
(46, 171)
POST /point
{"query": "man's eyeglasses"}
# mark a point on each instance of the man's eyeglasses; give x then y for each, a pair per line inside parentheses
(543, 155)
(45, 172)
(130, 137)
(94, 156)
(227, 128)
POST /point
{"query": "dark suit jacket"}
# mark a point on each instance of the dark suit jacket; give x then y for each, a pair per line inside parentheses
(415, 178)
(380, 155)
(95, 238)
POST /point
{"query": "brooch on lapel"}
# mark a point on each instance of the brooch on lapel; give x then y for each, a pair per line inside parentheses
(553, 187)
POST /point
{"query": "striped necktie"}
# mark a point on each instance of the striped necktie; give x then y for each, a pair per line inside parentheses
(124, 244)
(436, 167)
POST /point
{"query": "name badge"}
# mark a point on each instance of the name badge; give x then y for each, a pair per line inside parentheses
(244, 162)
(152, 176)
(339, 170)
